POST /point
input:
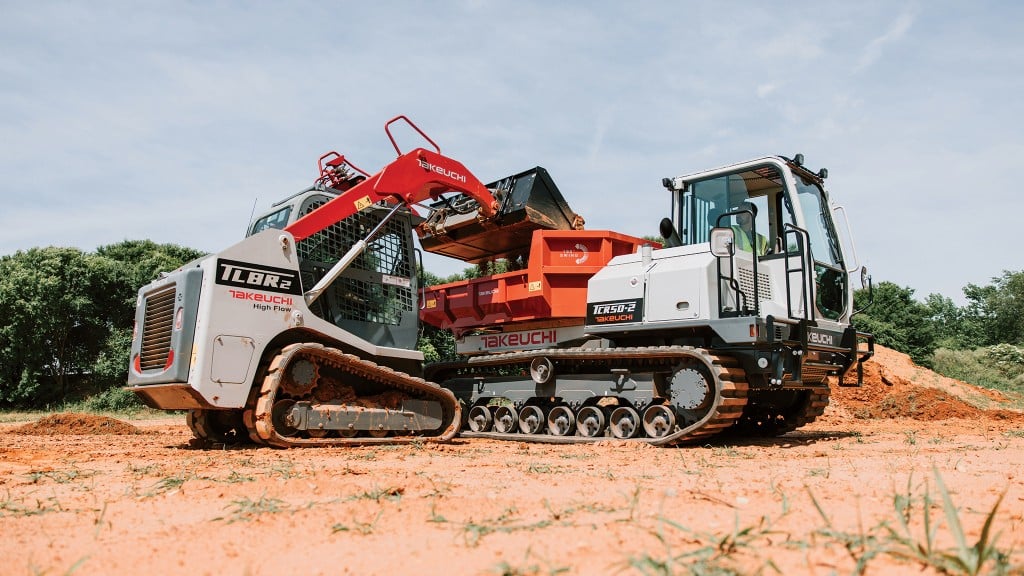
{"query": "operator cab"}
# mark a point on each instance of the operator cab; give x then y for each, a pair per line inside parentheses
(765, 210)
(376, 298)
(284, 212)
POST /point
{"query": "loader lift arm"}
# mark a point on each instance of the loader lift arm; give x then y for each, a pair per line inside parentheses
(411, 178)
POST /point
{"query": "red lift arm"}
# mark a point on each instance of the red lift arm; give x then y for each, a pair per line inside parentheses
(413, 177)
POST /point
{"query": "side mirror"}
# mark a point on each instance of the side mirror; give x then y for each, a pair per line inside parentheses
(865, 281)
(723, 242)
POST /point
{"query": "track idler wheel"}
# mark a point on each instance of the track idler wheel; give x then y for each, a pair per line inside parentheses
(221, 426)
(300, 378)
(282, 422)
(624, 422)
(561, 421)
(480, 419)
(590, 422)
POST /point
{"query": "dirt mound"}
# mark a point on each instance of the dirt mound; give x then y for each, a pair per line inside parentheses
(61, 424)
(895, 387)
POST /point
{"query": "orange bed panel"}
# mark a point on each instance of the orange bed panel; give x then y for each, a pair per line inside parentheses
(553, 286)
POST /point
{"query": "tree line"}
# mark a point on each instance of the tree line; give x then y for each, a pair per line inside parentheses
(994, 314)
(66, 319)
(981, 342)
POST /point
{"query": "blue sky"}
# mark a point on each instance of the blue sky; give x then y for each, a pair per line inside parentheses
(170, 120)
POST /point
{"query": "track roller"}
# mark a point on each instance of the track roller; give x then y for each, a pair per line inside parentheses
(659, 420)
(531, 420)
(624, 422)
(590, 422)
(480, 419)
(505, 420)
(561, 421)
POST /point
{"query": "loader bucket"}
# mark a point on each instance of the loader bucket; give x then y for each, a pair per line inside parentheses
(528, 201)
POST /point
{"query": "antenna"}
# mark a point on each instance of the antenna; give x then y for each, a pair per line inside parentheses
(251, 214)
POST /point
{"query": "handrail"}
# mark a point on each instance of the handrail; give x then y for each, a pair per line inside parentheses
(387, 130)
(732, 279)
(849, 238)
(802, 241)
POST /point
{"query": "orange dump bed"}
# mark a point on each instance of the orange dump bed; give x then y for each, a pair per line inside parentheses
(552, 287)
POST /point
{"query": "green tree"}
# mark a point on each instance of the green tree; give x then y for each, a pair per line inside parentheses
(142, 261)
(898, 321)
(953, 327)
(59, 305)
(145, 259)
(436, 344)
(997, 310)
(68, 315)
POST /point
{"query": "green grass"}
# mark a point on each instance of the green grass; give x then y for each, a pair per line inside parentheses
(10, 507)
(913, 536)
(999, 367)
(357, 526)
(168, 484)
(60, 476)
(709, 553)
(24, 416)
(529, 567)
(391, 494)
(980, 557)
(247, 509)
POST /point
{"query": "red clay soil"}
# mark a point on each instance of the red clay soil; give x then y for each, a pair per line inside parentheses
(815, 502)
(75, 424)
(894, 387)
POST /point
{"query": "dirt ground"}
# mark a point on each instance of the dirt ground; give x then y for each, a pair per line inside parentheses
(91, 495)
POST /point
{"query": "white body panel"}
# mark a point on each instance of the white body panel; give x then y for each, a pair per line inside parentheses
(235, 324)
(678, 285)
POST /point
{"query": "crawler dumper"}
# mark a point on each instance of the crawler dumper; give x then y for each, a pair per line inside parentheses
(734, 324)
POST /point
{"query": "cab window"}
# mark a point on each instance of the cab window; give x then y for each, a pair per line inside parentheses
(276, 220)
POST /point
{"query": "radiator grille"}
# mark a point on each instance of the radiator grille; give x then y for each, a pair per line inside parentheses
(157, 327)
(746, 280)
(362, 294)
(814, 374)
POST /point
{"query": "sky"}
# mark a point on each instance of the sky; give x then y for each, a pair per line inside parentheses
(173, 121)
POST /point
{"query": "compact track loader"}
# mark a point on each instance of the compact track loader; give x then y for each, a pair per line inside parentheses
(304, 333)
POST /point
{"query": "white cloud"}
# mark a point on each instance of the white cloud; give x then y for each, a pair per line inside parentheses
(874, 49)
(119, 121)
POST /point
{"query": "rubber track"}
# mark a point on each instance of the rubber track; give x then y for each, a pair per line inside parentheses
(263, 426)
(730, 389)
(814, 407)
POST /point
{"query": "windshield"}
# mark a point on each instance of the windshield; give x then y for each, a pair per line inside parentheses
(830, 279)
(709, 199)
(277, 220)
(825, 247)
